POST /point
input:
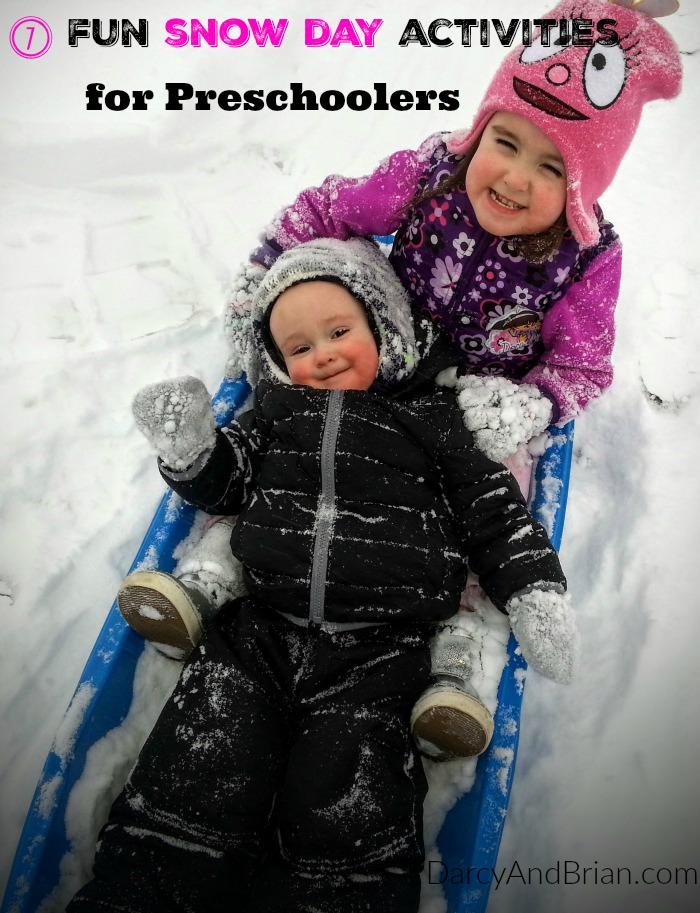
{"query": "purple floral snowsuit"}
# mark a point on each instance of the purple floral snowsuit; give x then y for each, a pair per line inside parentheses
(549, 324)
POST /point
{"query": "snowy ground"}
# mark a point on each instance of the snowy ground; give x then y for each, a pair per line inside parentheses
(119, 233)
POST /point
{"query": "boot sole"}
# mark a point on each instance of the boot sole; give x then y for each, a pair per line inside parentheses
(451, 724)
(159, 608)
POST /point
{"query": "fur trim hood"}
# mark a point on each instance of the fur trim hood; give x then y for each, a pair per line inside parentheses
(360, 267)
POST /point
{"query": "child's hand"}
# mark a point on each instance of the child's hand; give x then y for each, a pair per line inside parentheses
(499, 413)
(237, 321)
(545, 626)
(177, 419)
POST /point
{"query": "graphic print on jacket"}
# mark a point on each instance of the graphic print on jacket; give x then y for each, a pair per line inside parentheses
(487, 296)
(343, 517)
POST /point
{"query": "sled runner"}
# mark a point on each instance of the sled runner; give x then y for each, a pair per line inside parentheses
(471, 834)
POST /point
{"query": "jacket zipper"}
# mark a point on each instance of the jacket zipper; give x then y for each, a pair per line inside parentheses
(325, 513)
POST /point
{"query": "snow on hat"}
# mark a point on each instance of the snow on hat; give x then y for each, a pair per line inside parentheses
(360, 267)
(587, 100)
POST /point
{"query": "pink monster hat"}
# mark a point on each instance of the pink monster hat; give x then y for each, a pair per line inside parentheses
(588, 100)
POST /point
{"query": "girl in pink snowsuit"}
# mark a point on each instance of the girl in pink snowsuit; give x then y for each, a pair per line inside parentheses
(529, 300)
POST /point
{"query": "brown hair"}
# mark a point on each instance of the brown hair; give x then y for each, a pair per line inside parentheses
(535, 249)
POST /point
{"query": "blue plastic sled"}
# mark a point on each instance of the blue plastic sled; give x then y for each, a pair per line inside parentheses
(471, 833)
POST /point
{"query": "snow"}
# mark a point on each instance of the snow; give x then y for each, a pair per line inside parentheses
(121, 232)
(545, 627)
(176, 418)
(501, 414)
(106, 768)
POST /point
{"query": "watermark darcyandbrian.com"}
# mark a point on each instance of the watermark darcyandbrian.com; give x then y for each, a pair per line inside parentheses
(566, 871)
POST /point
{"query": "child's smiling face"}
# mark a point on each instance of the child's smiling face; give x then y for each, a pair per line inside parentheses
(324, 336)
(516, 180)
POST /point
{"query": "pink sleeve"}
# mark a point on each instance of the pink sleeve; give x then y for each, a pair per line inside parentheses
(343, 207)
(578, 334)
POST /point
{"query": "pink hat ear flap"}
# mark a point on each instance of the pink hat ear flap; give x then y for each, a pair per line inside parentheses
(580, 218)
(669, 81)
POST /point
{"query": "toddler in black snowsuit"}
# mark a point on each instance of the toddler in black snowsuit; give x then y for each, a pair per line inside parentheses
(281, 776)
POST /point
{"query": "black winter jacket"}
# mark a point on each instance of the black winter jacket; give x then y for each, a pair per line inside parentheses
(355, 506)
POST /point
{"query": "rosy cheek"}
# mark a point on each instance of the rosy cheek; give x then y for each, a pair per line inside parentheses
(556, 201)
(471, 182)
(296, 373)
(478, 174)
(369, 365)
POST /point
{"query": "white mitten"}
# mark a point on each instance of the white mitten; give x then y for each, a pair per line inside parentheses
(545, 626)
(177, 419)
(238, 326)
(499, 413)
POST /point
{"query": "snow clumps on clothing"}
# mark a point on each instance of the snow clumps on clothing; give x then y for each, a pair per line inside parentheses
(361, 268)
(237, 326)
(500, 414)
(177, 419)
(544, 624)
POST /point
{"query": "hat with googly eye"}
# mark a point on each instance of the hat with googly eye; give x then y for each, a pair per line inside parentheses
(586, 98)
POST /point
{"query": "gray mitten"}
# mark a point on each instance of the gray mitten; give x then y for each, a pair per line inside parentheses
(177, 419)
(238, 326)
(545, 626)
(499, 413)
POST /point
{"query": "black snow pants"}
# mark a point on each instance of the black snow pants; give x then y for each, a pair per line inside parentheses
(281, 777)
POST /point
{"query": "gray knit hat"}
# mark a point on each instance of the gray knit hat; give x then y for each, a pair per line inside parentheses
(360, 267)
